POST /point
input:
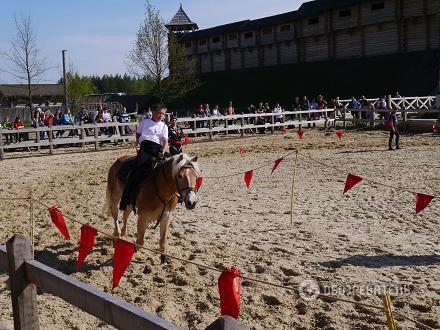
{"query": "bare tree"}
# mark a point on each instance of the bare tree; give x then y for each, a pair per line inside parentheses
(24, 57)
(157, 55)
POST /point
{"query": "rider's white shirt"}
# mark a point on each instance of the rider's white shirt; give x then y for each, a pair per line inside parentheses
(152, 131)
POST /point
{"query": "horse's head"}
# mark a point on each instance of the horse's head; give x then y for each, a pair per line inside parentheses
(186, 171)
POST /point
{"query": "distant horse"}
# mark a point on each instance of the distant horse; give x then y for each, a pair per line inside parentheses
(155, 198)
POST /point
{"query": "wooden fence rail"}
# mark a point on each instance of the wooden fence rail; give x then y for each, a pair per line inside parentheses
(237, 124)
(98, 133)
(26, 274)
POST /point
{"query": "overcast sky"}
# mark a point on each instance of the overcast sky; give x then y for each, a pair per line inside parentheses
(99, 34)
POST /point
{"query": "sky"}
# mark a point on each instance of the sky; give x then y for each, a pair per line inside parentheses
(98, 35)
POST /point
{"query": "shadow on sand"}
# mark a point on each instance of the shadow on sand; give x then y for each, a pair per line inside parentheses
(384, 261)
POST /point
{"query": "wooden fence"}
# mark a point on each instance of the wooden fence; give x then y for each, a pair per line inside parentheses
(96, 134)
(404, 103)
(115, 132)
(26, 274)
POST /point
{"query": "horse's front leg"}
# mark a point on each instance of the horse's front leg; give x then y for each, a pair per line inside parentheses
(142, 224)
(163, 241)
(114, 212)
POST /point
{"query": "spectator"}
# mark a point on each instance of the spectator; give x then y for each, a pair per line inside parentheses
(354, 105)
(67, 119)
(57, 121)
(364, 104)
(381, 104)
(322, 104)
(7, 124)
(124, 117)
(82, 117)
(260, 119)
(229, 111)
(370, 114)
(296, 106)
(48, 121)
(175, 135)
(305, 106)
(206, 110)
(38, 122)
(215, 114)
(18, 124)
(200, 113)
(393, 131)
(278, 111)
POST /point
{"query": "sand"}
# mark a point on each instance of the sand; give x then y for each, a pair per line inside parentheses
(357, 243)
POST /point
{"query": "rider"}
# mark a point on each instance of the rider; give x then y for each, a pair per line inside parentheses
(175, 135)
(152, 135)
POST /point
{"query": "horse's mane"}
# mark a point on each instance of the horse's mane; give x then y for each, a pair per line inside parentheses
(187, 160)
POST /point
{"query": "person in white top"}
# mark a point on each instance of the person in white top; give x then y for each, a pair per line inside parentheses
(278, 111)
(152, 135)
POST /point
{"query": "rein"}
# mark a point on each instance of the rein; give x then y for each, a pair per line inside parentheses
(179, 193)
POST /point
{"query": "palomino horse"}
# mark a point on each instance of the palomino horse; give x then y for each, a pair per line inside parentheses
(155, 198)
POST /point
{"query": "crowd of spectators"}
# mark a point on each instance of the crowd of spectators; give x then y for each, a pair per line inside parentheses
(64, 117)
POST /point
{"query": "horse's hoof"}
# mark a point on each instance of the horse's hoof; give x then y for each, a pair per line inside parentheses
(163, 259)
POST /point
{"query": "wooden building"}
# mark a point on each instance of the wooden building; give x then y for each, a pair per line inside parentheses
(320, 30)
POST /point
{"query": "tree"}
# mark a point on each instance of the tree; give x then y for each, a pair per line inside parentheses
(24, 57)
(157, 54)
(78, 88)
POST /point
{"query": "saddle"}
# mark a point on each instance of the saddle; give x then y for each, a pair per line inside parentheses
(126, 167)
(129, 164)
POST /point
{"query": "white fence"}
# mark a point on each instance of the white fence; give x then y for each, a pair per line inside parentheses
(96, 134)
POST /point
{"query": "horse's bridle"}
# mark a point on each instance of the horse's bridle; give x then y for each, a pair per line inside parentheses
(179, 192)
(186, 189)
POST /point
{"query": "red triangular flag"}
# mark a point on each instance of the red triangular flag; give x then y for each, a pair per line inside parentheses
(422, 201)
(86, 243)
(351, 181)
(277, 162)
(300, 134)
(198, 183)
(123, 253)
(58, 221)
(241, 151)
(283, 130)
(387, 123)
(339, 134)
(248, 177)
(187, 140)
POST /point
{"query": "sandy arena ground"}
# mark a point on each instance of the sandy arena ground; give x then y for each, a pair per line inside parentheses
(356, 243)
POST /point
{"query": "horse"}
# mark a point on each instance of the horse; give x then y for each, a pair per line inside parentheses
(155, 198)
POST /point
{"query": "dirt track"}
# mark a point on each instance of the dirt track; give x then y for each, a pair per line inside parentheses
(366, 239)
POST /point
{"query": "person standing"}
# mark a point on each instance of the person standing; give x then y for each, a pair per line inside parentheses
(152, 135)
(175, 135)
(393, 131)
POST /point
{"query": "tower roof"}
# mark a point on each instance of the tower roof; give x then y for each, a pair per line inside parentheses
(181, 21)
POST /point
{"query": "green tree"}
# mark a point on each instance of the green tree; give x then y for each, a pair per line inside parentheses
(159, 56)
(78, 88)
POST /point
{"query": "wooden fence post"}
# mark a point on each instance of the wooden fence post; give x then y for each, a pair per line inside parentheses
(210, 128)
(272, 119)
(242, 126)
(23, 293)
(82, 135)
(344, 124)
(50, 136)
(300, 120)
(226, 126)
(2, 155)
(95, 131)
(37, 126)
